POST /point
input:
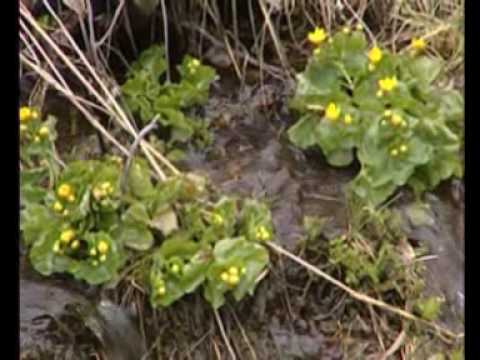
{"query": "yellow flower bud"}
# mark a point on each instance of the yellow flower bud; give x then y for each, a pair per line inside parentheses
(348, 119)
(379, 93)
(359, 27)
(332, 112)
(396, 120)
(243, 271)
(233, 280)
(103, 258)
(387, 113)
(317, 36)
(375, 55)
(34, 114)
(95, 263)
(418, 44)
(388, 84)
(64, 191)
(316, 51)
(102, 247)
(403, 148)
(23, 128)
(93, 252)
(75, 244)
(346, 30)
(217, 219)
(67, 235)
(175, 268)
(66, 212)
(371, 67)
(161, 290)
(233, 271)
(36, 139)
(25, 114)
(57, 206)
(394, 152)
(56, 247)
(224, 276)
(71, 198)
(43, 132)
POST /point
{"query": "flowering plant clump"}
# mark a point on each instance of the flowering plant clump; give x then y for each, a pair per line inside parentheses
(89, 225)
(146, 96)
(37, 138)
(382, 107)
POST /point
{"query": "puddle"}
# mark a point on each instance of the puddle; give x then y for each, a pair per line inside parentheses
(59, 321)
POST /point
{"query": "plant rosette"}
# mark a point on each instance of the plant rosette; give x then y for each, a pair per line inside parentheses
(384, 108)
(146, 96)
(179, 267)
(92, 257)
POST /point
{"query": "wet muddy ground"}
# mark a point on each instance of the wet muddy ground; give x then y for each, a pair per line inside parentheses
(292, 315)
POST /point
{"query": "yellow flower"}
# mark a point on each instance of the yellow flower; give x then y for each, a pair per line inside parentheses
(387, 113)
(403, 148)
(43, 132)
(375, 55)
(57, 206)
(346, 30)
(348, 119)
(418, 44)
(36, 139)
(71, 198)
(359, 27)
(102, 247)
(332, 112)
(103, 258)
(64, 191)
(67, 235)
(25, 114)
(93, 252)
(394, 152)
(195, 63)
(317, 36)
(75, 245)
(388, 84)
(34, 114)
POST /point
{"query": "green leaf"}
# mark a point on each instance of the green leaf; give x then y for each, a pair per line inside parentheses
(134, 235)
(138, 179)
(425, 69)
(302, 134)
(36, 221)
(165, 220)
